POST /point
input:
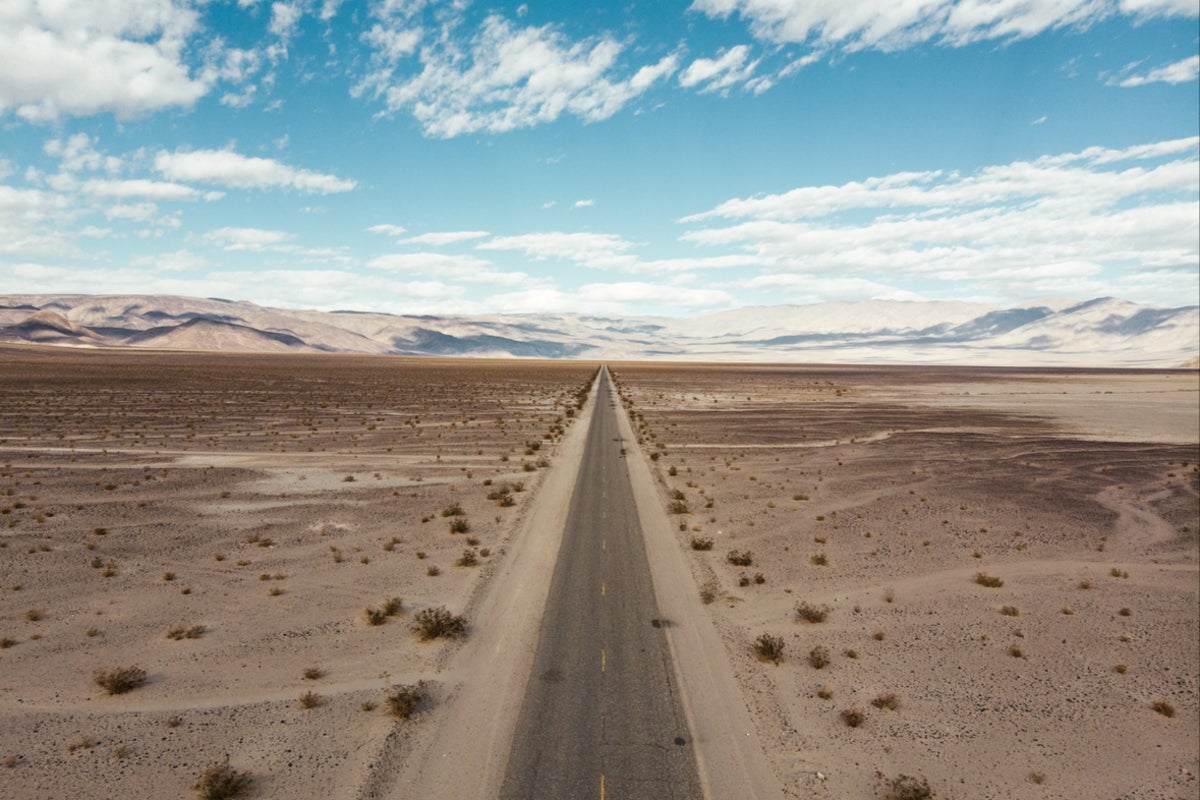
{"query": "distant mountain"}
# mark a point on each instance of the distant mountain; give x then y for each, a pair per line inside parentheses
(1100, 332)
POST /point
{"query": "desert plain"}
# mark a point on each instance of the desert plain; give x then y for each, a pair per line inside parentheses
(987, 579)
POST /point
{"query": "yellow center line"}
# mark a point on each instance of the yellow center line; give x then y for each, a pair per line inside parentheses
(603, 660)
(602, 589)
(601, 786)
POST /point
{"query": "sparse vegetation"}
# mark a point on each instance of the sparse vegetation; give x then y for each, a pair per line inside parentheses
(769, 648)
(1164, 708)
(990, 581)
(887, 701)
(222, 782)
(1010, 611)
(818, 657)
(404, 701)
(907, 787)
(818, 560)
(702, 543)
(120, 679)
(436, 623)
(310, 699)
(186, 632)
(313, 673)
(852, 717)
(809, 612)
(709, 591)
(743, 558)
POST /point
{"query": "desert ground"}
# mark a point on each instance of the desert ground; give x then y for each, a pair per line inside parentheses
(986, 580)
(225, 523)
(1007, 564)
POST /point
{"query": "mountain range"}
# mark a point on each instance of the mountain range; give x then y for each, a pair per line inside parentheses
(1099, 332)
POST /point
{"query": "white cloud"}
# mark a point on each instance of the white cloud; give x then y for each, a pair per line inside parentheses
(78, 152)
(585, 203)
(1032, 225)
(285, 18)
(510, 78)
(152, 190)
(721, 73)
(80, 57)
(442, 238)
(1183, 71)
(387, 230)
(632, 297)
(461, 268)
(889, 25)
(583, 247)
(227, 168)
(253, 239)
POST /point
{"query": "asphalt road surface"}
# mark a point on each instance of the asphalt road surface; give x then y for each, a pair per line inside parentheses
(601, 717)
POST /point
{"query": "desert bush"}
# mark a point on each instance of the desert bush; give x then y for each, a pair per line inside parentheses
(7, 642)
(852, 717)
(313, 673)
(825, 693)
(1164, 708)
(392, 606)
(222, 782)
(1125, 612)
(404, 701)
(186, 632)
(809, 612)
(701, 543)
(467, 559)
(459, 525)
(120, 680)
(453, 510)
(818, 657)
(374, 616)
(740, 559)
(1015, 651)
(1010, 611)
(434, 623)
(850, 652)
(819, 559)
(433, 570)
(769, 648)
(679, 507)
(990, 581)
(888, 701)
(907, 787)
(709, 592)
(310, 699)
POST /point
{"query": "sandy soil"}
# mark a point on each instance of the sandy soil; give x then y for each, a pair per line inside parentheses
(881, 494)
(263, 503)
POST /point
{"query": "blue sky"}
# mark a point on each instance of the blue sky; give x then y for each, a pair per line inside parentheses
(448, 156)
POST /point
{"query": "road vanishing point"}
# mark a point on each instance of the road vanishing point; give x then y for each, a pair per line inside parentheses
(601, 716)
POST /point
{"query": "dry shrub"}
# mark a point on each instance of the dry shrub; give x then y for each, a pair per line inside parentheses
(120, 680)
(222, 782)
(852, 717)
(908, 787)
(404, 701)
(185, 632)
(1010, 611)
(393, 606)
(702, 543)
(1164, 708)
(819, 559)
(310, 699)
(769, 648)
(313, 673)
(818, 657)
(808, 612)
(435, 623)
(740, 559)
(709, 592)
(990, 581)
(888, 701)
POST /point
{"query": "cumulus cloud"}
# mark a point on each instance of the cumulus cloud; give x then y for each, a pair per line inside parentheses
(1038, 224)
(227, 168)
(253, 239)
(719, 74)
(1183, 71)
(442, 238)
(151, 190)
(888, 25)
(462, 268)
(509, 77)
(386, 229)
(80, 57)
(583, 247)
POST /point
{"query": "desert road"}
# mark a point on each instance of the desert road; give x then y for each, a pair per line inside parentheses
(601, 716)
